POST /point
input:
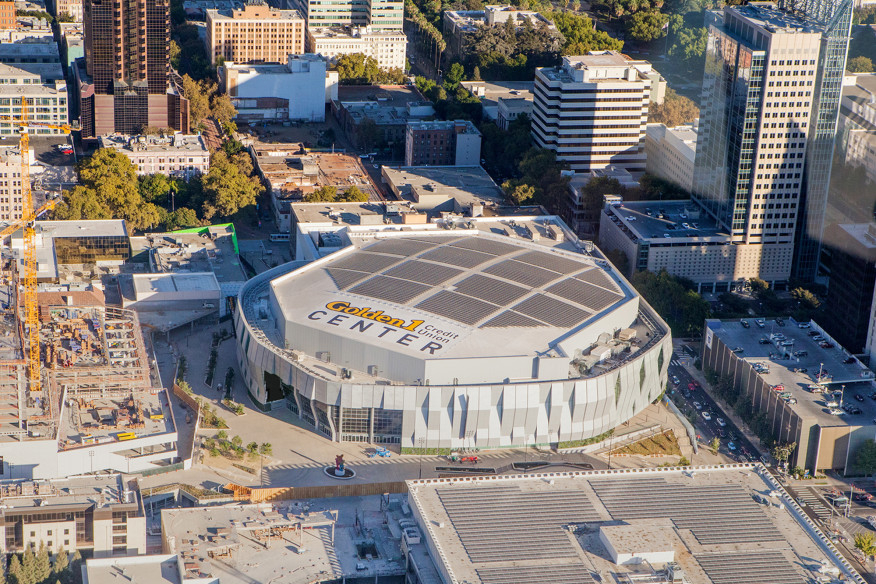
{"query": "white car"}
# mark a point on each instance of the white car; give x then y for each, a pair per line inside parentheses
(698, 405)
(721, 422)
(707, 416)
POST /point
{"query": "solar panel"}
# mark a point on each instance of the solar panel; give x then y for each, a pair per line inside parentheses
(715, 514)
(757, 567)
(600, 278)
(551, 311)
(521, 273)
(402, 247)
(455, 256)
(457, 307)
(584, 294)
(490, 289)
(485, 245)
(511, 319)
(498, 523)
(575, 573)
(345, 278)
(554, 263)
(423, 272)
(390, 289)
(366, 262)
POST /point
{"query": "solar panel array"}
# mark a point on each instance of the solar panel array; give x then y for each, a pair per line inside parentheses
(502, 523)
(762, 567)
(715, 514)
(516, 286)
(554, 574)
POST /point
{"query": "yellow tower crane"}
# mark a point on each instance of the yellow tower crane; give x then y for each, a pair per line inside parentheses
(28, 217)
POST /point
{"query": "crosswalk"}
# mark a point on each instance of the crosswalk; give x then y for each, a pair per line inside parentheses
(810, 498)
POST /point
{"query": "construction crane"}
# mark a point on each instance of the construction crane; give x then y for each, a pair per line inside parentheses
(28, 217)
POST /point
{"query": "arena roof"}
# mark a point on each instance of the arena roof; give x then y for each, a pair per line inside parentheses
(473, 285)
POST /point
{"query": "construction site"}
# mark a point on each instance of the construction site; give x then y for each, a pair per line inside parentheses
(94, 385)
(312, 540)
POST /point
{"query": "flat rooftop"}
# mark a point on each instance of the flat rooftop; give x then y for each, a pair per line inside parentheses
(166, 144)
(97, 228)
(463, 183)
(680, 219)
(345, 213)
(768, 16)
(211, 249)
(386, 95)
(314, 540)
(92, 490)
(546, 528)
(781, 369)
(152, 569)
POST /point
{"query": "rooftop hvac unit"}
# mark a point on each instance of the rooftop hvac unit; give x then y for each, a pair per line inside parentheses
(324, 356)
(373, 370)
(346, 373)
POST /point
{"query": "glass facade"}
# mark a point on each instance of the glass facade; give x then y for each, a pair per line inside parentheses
(90, 250)
(837, 16)
(732, 86)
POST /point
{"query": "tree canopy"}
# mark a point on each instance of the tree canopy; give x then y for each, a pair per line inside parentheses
(647, 26)
(860, 64)
(675, 110)
(330, 194)
(227, 187)
(675, 300)
(359, 69)
(109, 189)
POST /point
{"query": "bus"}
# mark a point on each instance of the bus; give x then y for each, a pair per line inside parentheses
(122, 436)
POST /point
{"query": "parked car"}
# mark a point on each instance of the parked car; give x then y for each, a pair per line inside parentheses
(861, 496)
(859, 397)
(826, 345)
(698, 405)
(780, 321)
(721, 422)
(745, 323)
(691, 387)
(849, 360)
(764, 341)
(760, 323)
(731, 446)
(675, 380)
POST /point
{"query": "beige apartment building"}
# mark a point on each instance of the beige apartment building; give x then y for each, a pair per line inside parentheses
(71, 7)
(10, 183)
(256, 34)
(671, 153)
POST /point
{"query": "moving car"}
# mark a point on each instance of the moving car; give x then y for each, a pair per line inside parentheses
(707, 416)
(721, 422)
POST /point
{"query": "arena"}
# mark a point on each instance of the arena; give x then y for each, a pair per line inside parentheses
(466, 332)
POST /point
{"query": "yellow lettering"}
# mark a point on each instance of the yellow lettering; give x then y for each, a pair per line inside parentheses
(337, 306)
(414, 324)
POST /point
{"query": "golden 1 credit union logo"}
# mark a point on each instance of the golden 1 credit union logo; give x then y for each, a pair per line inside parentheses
(375, 315)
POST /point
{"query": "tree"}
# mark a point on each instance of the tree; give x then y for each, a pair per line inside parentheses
(454, 75)
(865, 460)
(476, 74)
(807, 299)
(154, 188)
(236, 441)
(109, 189)
(15, 570)
(326, 194)
(688, 42)
(860, 65)
(226, 189)
(715, 444)
(253, 447)
(42, 563)
(181, 218)
(266, 449)
(222, 109)
(648, 26)
(357, 69)
(520, 194)
(354, 195)
(675, 110)
(175, 51)
(866, 542)
(674, 299)
(580, 35)
(222, 435)
(198, 93)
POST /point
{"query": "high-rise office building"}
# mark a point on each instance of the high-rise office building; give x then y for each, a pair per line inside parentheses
(771, 92)
(380, 15)
(124, 80)
(592, 111)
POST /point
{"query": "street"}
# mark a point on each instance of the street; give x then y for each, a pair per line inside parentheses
(688, 394)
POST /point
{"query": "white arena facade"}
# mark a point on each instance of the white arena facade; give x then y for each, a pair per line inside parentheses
(488, 332)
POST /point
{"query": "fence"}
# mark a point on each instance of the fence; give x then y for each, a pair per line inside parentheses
(267, 495)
